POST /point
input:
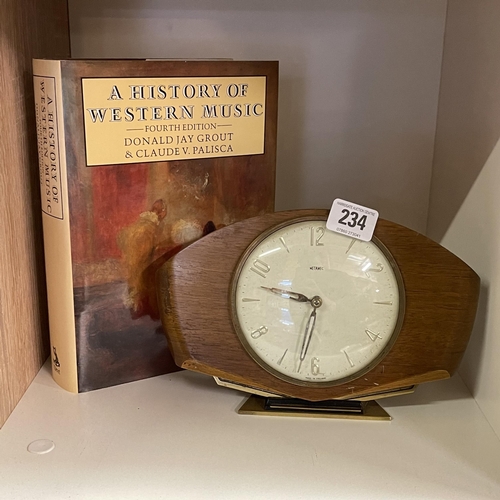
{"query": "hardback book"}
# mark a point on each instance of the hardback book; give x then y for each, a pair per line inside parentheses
(138, 159)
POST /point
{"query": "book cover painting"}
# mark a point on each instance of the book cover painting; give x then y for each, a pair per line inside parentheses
(140, 215)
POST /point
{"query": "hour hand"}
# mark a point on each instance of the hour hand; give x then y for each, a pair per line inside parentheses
(288, 294)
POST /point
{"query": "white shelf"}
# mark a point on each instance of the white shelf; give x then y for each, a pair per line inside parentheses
(179, 436)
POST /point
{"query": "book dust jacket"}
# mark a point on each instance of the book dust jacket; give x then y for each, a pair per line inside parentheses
(137, 160)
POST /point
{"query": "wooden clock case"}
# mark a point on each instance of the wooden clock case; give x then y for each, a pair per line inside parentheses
(441, 301)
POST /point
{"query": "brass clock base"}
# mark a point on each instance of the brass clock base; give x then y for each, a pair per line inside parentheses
(288, 407)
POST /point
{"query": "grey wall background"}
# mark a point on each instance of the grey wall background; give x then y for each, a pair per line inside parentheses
(359, 84)
(464, 203)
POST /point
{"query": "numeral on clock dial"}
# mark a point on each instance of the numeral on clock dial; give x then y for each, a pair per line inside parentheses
(315, 366)
(373, 336)
(316, 234)
(259, 332)
(260, 267)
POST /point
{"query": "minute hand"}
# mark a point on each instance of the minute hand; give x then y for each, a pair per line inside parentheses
(288, 294)
(311, 322)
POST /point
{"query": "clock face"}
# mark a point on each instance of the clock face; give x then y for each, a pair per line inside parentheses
(314, 307)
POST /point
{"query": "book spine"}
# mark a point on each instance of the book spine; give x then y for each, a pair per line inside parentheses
(56, 221)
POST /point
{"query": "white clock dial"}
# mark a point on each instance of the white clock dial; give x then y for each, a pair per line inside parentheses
(315, 307)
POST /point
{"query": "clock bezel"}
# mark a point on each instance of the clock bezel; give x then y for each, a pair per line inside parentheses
(305, 383)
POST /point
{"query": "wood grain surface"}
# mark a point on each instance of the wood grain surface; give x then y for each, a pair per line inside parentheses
(29, 28)
(441, 302)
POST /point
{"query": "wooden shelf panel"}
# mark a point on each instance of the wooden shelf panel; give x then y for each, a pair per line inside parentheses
(29, 29)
